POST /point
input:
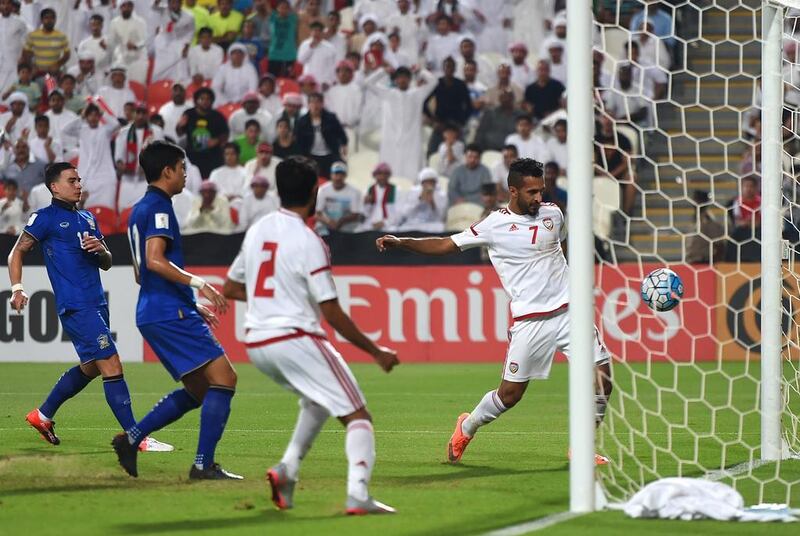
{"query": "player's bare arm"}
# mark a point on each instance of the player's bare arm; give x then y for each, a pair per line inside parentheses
(234, 290)
(344, 325)
(24, 244)
(424, 246)
(158, 263)
(92, 245)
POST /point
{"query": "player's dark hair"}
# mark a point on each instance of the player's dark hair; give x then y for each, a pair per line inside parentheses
(157, 156)
(473, 147)
(252, 123)
(53, 172)
(521, 168)
(296, 178)
(235, 147)
(510, 147)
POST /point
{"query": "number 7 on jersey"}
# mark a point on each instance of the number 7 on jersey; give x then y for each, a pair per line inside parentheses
(266, 271)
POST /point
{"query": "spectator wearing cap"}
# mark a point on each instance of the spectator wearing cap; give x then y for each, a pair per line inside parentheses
(230, 178)
(25, 84)
(118, 92)
(338, 203)
(424, 208)
(345, 97)
(442, 45)
(256, 51)
(127, 35)
(306, 17)
(285, 144)
(318, 57)
(235, 77)
(204, 58)
(468, 52)
(381, 202)
(43, 146)
(258, 202)
(172, 111)
(206, 132)
(95, 46)
(251, 111)
(401, 130)
(174, 35)
(408, 25)
(18, 119)
(270, 101)
(466, 179)
(504, 83)
(226, 23)
(320, 135)
(15, 32)
(59, 118)
(521, 73)
(46, 48)
(129, 143)
(283, 39)
(18, 166)
(453, 104)
(248, 142)
(544, 95)
(260, 19)
(87, 81)
(263, 165)
(210, 213)
(334, 36)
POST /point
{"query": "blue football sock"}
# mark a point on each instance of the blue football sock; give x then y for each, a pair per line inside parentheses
(213, 416)
(119, 400)
(168, 410)
(68, 385)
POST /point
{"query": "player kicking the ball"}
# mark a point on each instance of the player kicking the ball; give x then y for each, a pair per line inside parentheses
(174, 325)
(74, 254)
(283, 271)
(524, 242)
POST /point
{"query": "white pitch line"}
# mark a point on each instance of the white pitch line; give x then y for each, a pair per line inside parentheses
(535, 525)
(744, 467)
(286, 430)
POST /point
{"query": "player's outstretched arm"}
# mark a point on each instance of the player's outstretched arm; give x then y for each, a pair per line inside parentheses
(342, 323)
(158, 263)
(24, 244)
(423, 246)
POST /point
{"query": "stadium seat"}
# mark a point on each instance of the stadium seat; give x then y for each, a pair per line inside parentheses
(106, 218)
(463, 215)
(491, 158)
(227, 109)
(606, 201)
(138, 89)
(159, 93)
(287, 85)
(124, 216)
(191, 88)
(263, 66)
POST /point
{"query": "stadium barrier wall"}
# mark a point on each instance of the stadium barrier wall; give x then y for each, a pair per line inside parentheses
(459, 314)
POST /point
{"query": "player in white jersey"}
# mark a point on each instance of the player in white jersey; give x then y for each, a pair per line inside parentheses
(283, 271)
(524, 242)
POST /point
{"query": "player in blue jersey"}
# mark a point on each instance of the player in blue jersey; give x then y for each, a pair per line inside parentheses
(172, 322)
(74, 253)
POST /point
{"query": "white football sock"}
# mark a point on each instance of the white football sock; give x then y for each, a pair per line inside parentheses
(360, 449)
(488, 409)
(310, 421)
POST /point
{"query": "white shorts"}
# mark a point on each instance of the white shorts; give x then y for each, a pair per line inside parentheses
(533, 343)
(311, 367)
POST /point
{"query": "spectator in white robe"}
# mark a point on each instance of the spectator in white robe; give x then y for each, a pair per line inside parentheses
(468, 51)
(442, 45)
(205, 57)
(210, 212)
(127, 39)
(557, 146)
(401, 131)
(263, 165)
(268, 96)
(13, 32)
(39, 197)
(558, 67)
(95, 162)
(528, 144)
(59, 118)
(118, 93)
(43, 145)
(87, 80)
(171, 44)
(345, 98)
(96, 45)
(382, 9)
(652, 49)
(334, 35)
(399, 57)
(492, 21)
(230, 178)
(17, 122)
(129, 143)
(522, 73)
(250, 110)
(408, 25)
(235, 77)
(172, 111)
(318, 56)
(12, 209)
(424, 207)
(559, 33)
(258, 202)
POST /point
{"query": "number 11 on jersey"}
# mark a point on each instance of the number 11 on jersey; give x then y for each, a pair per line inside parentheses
(266, 271)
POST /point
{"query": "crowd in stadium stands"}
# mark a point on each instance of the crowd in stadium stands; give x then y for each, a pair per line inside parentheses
(442, 87)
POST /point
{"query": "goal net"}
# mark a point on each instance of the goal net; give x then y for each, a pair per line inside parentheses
(678, 165)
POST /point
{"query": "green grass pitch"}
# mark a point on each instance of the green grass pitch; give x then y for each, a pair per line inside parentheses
(514, 471)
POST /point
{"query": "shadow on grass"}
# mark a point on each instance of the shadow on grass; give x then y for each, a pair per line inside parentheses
(465, 471)
(226, 523)
(59, 489)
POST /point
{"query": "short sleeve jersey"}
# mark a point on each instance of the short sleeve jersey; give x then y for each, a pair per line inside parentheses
(74, 273)
(286, 269)
(526, 253)
(159, 300)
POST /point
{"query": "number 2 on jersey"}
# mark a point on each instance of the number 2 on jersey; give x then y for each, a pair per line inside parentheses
(535, 229)
(266, 271)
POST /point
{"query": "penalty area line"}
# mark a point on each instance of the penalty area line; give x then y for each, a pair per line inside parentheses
(535, 525)
(744, 467)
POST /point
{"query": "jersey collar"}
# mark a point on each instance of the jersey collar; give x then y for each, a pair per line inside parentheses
(158, 191)
(290, 213)
(63, 204)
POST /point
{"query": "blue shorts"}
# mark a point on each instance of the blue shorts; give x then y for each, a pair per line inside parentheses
(88, 329)
(182, 345)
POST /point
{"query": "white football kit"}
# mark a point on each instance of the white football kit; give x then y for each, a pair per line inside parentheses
(526, 253)
(286, 269)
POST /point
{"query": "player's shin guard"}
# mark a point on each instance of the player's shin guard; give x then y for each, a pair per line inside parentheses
(68, 385)
(310, 421)
(360, 449)
(213, 417)
(600, 404)
(119, 400)
(168, 410)
(488, 409)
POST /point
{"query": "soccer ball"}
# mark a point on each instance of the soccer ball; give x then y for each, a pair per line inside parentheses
(662, 289)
